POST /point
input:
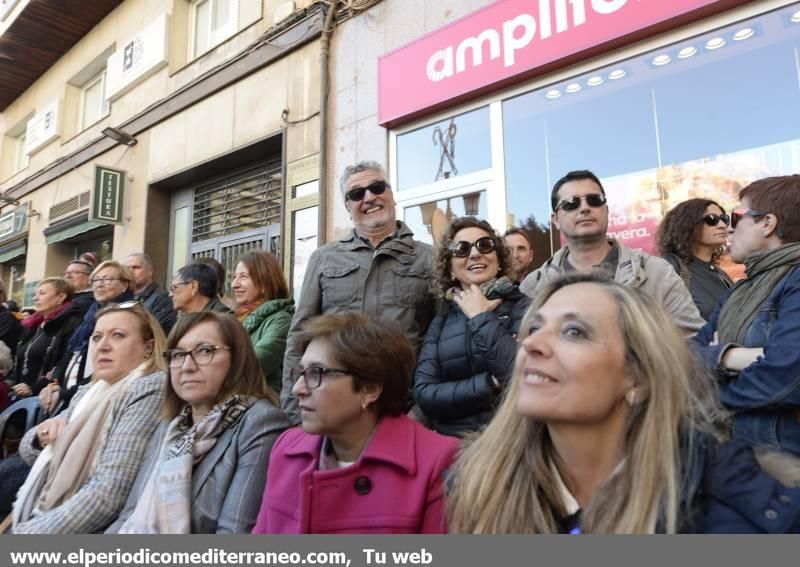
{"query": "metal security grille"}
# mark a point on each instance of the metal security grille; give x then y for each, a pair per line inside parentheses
(242, 201)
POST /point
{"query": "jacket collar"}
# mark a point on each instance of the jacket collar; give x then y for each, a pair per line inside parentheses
(147, 291)
(401, 241)
(394, 443)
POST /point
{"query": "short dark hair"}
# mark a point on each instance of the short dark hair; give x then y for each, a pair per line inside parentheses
(375, 351)
(577, 175)
(266, 273)
(203, 274)
(522, 233)
(218, 268)
(781, 197)
(244, 376)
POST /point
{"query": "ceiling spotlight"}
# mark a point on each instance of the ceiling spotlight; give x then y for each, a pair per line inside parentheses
(617, 74)
(119, 136)
(743, 33)
(715, 43)
(573, 87)
(595, 81)
(553, 94)
(661, 60)
(796, 17)
(687, 52)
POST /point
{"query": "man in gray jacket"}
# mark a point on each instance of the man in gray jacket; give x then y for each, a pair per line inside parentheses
(378, 269)
(581, 214)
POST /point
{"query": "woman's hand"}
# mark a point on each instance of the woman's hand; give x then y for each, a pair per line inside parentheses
(22, 390)
(739, 358)
(49, 396)
(472, 301)
(47, 431)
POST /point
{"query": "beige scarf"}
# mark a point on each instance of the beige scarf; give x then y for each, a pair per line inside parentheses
(64, 467)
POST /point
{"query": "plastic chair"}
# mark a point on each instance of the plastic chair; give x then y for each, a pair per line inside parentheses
(33, 414)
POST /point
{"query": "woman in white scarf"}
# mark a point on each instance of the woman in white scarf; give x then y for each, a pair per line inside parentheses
(87, 458)
(206, 465)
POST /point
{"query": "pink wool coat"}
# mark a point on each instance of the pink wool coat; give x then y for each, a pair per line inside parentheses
(395, 487)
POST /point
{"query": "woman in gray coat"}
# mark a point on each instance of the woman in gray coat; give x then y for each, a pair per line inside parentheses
(205, 466)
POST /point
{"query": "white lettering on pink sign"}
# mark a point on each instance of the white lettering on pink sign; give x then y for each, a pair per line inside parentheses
(514, 38)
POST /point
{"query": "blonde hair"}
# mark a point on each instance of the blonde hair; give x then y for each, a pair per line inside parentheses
(124, 273)
(505, 482)
(149, 329)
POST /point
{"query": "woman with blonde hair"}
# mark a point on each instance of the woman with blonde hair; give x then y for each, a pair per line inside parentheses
(86, 459)
(610, 426)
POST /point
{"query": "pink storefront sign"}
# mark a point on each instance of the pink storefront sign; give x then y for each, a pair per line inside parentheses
(511, 40)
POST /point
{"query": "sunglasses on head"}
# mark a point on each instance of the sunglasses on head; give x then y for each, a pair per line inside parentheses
(594, 200)
(462, 248)
(739, 214)
(713, 219)
(357, 193)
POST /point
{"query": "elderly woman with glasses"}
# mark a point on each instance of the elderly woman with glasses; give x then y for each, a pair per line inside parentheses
(751, 339)
(195, 288)
(358, 465)
(206, 464)
(468, 353)
(111, 283)
(691, 238)
(86, 459)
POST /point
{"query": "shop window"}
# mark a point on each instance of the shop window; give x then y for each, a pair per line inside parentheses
(700, 118)
(213, 21)
(305, 240)
(453, 147)
(428, 220)
(94, 104)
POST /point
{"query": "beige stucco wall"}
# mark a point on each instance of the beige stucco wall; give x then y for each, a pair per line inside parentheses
(353, 130)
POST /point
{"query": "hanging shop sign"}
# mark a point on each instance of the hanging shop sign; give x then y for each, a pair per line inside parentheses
(108, 195)
(14, 223)
(512, 40)
(137, 59)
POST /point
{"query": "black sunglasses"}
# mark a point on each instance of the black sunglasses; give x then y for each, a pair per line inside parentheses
(713, 219)
(594, 200)
(462, 248)
(376, 188)
(739, 214)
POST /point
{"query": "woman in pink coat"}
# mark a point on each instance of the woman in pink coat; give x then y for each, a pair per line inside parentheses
(358, 465)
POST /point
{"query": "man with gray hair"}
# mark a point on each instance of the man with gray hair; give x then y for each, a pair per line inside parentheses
(154, 297)
(378, 269)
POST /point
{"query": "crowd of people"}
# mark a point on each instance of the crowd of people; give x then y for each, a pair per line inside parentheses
(420, 389)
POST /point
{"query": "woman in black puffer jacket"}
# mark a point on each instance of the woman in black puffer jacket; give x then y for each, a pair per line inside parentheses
(468, 354)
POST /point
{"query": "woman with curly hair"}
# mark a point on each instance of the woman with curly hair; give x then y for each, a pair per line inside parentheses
(691, 238)
(468, 353)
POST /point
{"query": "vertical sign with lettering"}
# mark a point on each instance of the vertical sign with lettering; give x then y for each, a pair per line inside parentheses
(108, 195)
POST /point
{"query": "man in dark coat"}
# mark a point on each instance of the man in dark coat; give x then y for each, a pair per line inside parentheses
(154, 297)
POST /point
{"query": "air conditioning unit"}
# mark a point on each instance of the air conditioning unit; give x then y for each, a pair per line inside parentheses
(68, 207)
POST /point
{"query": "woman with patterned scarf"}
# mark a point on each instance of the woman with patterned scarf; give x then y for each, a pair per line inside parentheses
(265, 310)
(86, 459)
(206, 464)
(752, 339)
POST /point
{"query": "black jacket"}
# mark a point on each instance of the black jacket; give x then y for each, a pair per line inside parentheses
(158, 302)
(41, 348)
(10, 329)
(453, 385)
(84, 300)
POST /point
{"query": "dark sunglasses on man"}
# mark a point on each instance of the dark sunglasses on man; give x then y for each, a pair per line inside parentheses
(594, 200)
(356, 194)
(739, 214)
(713, 219)
(462, 248)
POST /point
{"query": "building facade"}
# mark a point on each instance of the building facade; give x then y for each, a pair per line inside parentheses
(479, 107)
(183, 128)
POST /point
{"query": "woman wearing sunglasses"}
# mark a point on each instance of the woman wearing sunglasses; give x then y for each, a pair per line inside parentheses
(206, 464)
(358, 464)
(86, 459)
(751, 340)
(691, 238)
(468, 353)
(610, 426)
